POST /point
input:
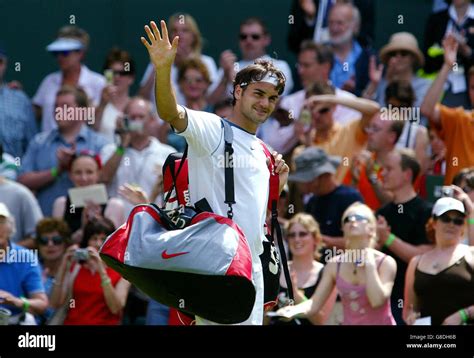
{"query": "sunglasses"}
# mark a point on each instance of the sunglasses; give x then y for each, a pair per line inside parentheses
(354, 217)
(190, 80)
(458, 221)
(121, 73)
(324, 110)
(57, 240)
(64, 53)
(254, 37)
(297, 234)
(402, 53)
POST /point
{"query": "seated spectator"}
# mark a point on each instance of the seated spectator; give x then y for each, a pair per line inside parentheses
(99, 292)
(24, 208)
(70, 49)
(315, 174)
(454, 125)
(367, 167)
(400, 100)
(351, 61)
(346, 140)
(52, 238)
(84, 171)
(362, 275)
(400, 57)
(440, 282)
(457, 19)
(193, 81)
(190, 45)
(311, 21)
(254, 38)
(45, 164)
(139, 158)
(21, 288)
(304, 241)
(115, 95)
(17, 119)
(401, 223)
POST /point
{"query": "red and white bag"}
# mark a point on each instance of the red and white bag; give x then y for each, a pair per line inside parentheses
(203, 269)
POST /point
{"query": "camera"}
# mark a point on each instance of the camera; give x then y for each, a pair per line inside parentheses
(81, 255)
(447, 191)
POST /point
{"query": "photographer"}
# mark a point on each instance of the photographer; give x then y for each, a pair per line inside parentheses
(97, 293)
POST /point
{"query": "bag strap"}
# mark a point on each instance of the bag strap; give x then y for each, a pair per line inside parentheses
(175, 176)
(273, 198)
(228, 167)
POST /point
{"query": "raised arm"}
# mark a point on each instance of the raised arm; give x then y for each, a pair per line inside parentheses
(428, 106)
(365, 106)
(162, 54)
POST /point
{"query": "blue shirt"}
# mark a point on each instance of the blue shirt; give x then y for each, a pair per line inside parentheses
(343, 71)
(17, 121)
(20, 273)
(328, 209)
(41, 155)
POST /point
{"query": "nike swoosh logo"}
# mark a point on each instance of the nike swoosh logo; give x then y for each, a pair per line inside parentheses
(166, 256)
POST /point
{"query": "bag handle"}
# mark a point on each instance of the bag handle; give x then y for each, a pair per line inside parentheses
(175, 176)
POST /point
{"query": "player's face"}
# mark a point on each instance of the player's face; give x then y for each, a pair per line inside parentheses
(258, 101)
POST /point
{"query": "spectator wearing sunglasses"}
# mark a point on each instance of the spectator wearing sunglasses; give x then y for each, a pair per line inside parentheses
(440, 282)
(401, 222)
(52, 239)
(120, 69)
(83, 172)
(401, 57)
(345, 141)
(21, 288)
(304, 241)
(254, 38)
(69, 48)
(362, 275)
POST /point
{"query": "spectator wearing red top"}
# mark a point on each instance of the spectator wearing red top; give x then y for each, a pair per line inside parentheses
(98, 293)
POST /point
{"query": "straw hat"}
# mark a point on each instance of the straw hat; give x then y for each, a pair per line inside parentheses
(402, 41)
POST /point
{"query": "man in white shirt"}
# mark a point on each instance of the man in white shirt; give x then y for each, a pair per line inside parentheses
(256, 91)
(69, 49)
(139, 158)
(254, 38)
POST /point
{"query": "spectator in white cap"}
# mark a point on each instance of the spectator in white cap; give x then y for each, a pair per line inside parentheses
(21, 288)
(69, 49)
(440, 283)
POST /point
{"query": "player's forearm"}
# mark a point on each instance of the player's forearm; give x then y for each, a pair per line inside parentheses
(165, 97)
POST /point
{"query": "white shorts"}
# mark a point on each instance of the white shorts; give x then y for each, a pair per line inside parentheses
(256, 317)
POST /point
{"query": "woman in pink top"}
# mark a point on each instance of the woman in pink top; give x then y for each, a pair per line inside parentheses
(362, 275)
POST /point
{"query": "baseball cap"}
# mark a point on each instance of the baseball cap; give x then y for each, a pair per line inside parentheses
(4, 211)
(64, 44)
(446, 204)
(313, 162)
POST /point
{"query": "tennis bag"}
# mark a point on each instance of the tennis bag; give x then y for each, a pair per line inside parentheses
(197, 262)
